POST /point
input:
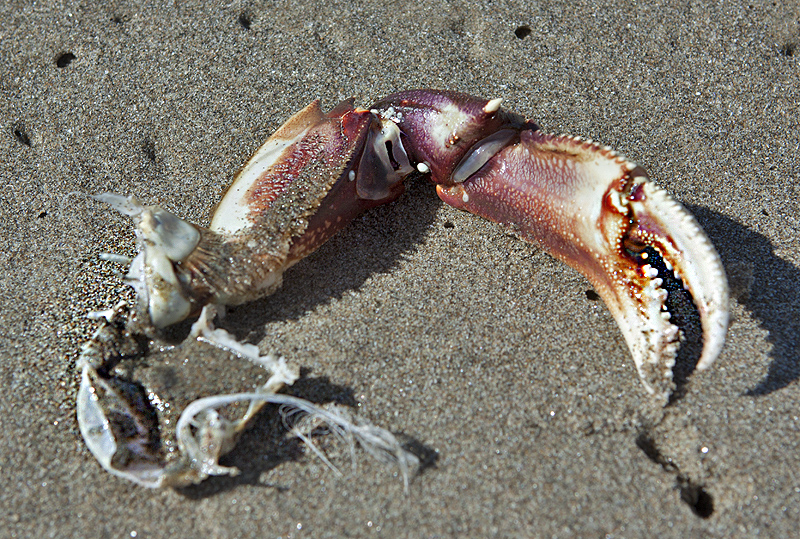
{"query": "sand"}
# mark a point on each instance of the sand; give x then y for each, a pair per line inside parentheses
(483, 353)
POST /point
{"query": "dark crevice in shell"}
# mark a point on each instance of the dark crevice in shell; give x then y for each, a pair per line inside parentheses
(683, 314)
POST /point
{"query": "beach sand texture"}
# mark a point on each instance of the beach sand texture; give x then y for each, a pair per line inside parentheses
(484, 353)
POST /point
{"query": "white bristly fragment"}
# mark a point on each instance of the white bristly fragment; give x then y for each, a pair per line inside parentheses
(465, 198)
(203, 329)
(97, 315)
(115, 258)
(317, 451)
(493, 105)
(201, 432)
(619, 201)
(108, 314)
(423, 168)
(129, 206)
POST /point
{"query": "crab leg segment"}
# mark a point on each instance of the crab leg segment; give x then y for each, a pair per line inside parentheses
(311, 178)
(587, 206)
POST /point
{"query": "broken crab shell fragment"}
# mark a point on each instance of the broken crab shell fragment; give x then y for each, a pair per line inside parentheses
(164, 240)
(121, 426)
(585, 204)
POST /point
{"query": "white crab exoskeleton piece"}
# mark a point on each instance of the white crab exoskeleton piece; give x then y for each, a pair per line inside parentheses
(121, 427)
(164, 240)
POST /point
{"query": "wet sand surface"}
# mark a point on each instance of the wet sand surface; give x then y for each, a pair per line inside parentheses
(483, 353)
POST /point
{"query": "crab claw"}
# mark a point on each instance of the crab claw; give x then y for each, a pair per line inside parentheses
(306, 182)
(601, 214)
(642, 251)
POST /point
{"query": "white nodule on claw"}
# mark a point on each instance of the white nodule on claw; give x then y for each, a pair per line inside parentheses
(493, 105)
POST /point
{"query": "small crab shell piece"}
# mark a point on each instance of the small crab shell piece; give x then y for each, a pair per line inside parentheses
(163, 240)
(115, 417)
(115, 421)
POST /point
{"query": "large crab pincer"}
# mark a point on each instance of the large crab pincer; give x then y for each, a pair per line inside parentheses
(586, 205)
(643, 252)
